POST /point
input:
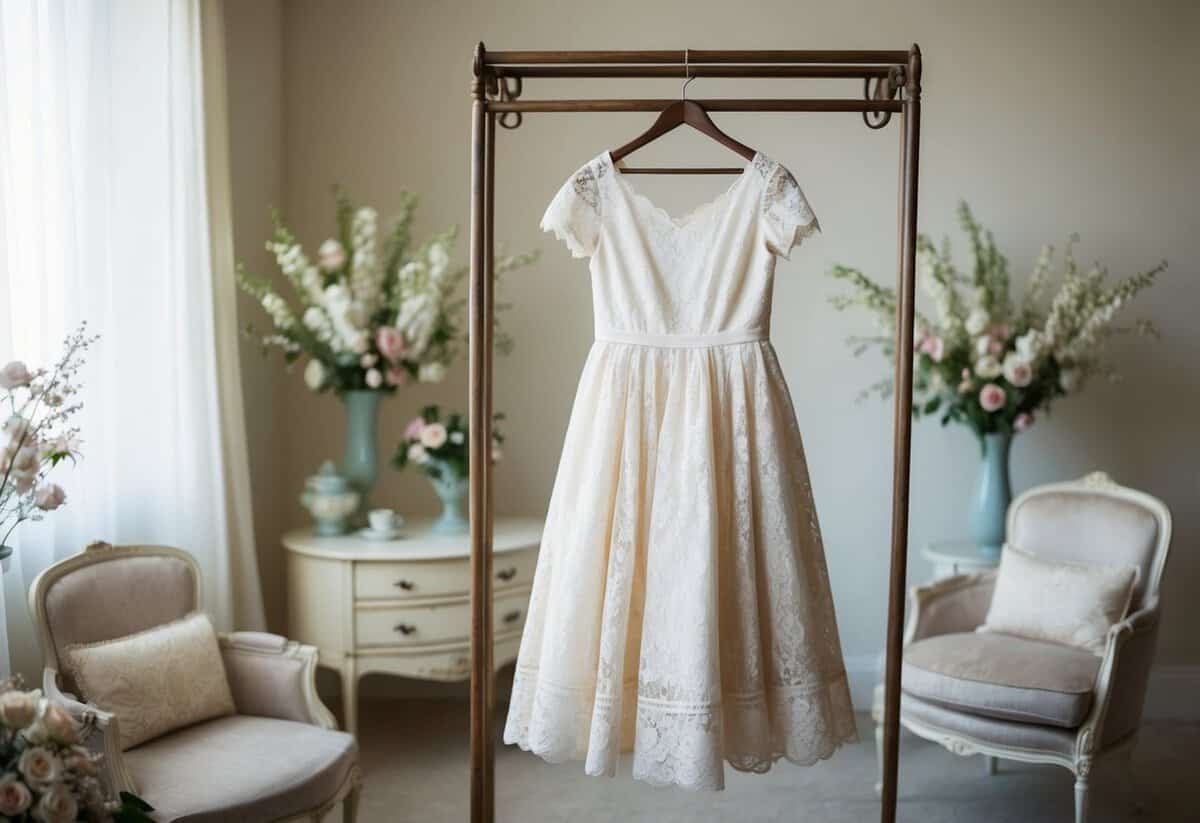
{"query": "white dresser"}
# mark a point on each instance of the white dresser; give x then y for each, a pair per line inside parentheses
(401, 606)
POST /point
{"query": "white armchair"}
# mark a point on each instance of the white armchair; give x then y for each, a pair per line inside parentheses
(279, 758)
(1006, 697)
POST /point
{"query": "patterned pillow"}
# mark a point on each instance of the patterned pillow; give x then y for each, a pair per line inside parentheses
(155, 681)
(1068, 603)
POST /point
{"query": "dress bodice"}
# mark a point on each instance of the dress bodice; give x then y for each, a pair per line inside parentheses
(706, 274)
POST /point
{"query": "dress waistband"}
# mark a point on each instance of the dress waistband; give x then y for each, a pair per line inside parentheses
(682, 341)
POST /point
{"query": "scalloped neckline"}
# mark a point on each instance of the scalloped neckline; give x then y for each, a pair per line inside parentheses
(692, 216)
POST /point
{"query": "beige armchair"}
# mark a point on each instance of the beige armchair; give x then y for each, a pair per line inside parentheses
(278, 758)
(1006, 697)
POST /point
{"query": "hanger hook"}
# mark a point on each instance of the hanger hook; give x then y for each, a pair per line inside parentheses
(687, 73)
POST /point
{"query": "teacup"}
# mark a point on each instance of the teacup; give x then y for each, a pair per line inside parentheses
(383, 521)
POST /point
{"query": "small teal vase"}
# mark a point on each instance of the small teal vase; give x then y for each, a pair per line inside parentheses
(992, 495)
(451, 488)
(360, 464)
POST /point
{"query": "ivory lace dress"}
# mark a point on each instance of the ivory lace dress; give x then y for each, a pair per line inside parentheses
(681, 605)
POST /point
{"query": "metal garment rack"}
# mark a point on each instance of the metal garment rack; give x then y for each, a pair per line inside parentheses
(891, 85)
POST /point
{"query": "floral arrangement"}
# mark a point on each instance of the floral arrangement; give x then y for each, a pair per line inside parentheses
(47, 774)
(436, 446)
(368, 318)
(37, 435)
(982, 361)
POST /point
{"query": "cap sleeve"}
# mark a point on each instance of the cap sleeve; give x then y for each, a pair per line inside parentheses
(574, 213)
(787, 217)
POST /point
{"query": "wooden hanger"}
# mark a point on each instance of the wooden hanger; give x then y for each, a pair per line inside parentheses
(683, 112)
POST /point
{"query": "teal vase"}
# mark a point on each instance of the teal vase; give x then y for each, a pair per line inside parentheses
(360, 463)
(992, 495)
(451, 488)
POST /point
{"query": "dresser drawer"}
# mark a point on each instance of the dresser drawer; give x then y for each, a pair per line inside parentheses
(436, 578)
(412, 625)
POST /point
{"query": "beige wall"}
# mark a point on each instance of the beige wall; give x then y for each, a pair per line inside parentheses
(254, 53)
(1049, 119)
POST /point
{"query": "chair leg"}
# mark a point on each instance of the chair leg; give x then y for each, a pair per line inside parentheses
(350, 806)
(1081, 799)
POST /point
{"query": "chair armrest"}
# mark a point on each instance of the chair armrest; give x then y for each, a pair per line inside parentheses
(1122, 680)
(953, 604)
(102, 735)
(271, 676)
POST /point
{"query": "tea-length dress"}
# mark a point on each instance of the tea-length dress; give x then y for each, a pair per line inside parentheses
(681, 605)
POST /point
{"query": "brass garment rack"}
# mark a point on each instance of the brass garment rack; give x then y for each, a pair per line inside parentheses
(891, 85)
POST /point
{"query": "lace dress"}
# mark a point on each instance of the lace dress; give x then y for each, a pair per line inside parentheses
(681, 605)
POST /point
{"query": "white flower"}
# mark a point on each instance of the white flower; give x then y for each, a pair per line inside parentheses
(417, 319)
(368, 360)
(976, 321)
(15, 374)
(15, 796)
(16, 428)
(431, 372)
(39, 766)
(49, 497)
(417, 453)
(988, 367)
(1069, 380)
(314, 374)
(360, 342)
(439, 261)
(457, 438)
(331, 255)
(314, 318)
(57, 805)
(374, 378)
(1029, 344)
(1017, 370)
(18, 709)
(983, 345)
(497, 454)
(433, 436)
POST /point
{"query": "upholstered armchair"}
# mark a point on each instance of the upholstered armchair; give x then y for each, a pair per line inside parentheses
(279, 757)
(1007, 697)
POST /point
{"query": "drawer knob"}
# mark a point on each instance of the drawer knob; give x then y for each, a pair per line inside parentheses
(407, 585)
(507, 574)
(512, 617)
(405, 628)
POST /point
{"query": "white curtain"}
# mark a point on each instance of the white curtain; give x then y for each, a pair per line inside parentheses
(105, 217)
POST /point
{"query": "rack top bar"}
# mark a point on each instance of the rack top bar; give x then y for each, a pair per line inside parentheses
(676, 56)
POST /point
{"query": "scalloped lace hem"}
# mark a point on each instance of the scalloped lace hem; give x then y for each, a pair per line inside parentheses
(566, 237)
(675, 743)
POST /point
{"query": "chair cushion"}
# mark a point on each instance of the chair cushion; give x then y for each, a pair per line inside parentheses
(241, 768)
(996, 675)
(1074, 604)
(155, 681)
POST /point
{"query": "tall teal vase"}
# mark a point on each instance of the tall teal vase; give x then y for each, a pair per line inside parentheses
(993, 492)
(360, 464)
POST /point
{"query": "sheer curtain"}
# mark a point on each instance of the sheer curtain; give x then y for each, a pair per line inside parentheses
(104, 216)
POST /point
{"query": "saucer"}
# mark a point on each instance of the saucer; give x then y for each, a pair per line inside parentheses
(370, 534)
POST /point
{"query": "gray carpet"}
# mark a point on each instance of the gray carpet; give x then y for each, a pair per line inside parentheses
(415, 764)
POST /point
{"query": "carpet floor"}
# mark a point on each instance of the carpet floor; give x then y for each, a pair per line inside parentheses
(415, 769)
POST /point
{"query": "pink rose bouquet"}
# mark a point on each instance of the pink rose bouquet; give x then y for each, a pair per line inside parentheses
(48, 774)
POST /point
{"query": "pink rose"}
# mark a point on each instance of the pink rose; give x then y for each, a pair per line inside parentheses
(49, 497)
(57, 805)
(991, 397)
(59, 724)
(935, 347)
(39, 766)
(413, 430)
(15, 796)
(18, 709)
(1023, 421)
(433, 436)
(390, 343)
(396, 376)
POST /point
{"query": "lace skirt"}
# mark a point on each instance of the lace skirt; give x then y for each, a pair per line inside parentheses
(681, 607)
